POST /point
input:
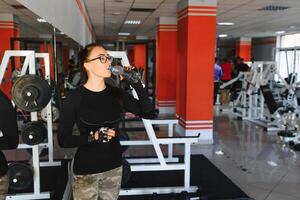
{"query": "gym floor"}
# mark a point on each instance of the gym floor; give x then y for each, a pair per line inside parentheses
(254, 160)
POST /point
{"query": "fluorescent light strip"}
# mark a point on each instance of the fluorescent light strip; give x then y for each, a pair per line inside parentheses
(226, 23)
(41, 20)
(132, 22)
(280, 32)
(123, 33)
(223, 35)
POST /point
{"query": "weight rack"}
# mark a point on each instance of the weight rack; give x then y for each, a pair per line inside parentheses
(29, 64)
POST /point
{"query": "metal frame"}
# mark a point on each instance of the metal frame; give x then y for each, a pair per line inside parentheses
(265, 71)
(156, 142)
(44, 41)
(250, 103)
(162, 166)
(49, 144)
(29, 63)
(143, 163)
(170, 158)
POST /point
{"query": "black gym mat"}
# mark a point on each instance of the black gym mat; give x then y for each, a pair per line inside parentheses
(212, 182)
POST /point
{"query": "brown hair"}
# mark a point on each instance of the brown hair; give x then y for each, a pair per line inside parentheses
(83, 54)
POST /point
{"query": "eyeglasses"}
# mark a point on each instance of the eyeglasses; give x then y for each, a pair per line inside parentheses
(103, 58)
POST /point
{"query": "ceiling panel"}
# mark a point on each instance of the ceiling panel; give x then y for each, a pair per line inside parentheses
(252, 22)
(108, 16)
(28, 24)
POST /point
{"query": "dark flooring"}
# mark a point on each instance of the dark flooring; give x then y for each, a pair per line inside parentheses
(212, 183)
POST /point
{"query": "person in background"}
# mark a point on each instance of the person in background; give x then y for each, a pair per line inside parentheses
(227, 70)
(240, 66)
(217, 76)
(234, 72)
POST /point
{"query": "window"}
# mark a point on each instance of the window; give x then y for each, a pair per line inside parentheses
(288, 55)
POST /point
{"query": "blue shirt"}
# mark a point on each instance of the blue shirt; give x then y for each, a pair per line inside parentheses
(218, 72)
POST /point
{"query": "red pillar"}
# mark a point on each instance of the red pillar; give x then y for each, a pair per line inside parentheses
(243, 48)
(139, 51)
(166, 53)
(195, 69)
(9, 28)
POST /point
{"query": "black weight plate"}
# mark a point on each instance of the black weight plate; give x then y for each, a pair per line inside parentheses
(20, 176)
(43, 127)
(34, 133)
(31, 93)
(126, 174)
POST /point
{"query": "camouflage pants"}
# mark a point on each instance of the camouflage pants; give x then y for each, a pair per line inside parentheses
(103, 186)
(3, 186)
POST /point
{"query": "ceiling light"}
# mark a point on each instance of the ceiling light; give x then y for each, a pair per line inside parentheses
(132, 22)
(41, 20)
(280, 32)
(116, 13)
(226, 23)
(223, 35)
(123, 33)
(292, 27)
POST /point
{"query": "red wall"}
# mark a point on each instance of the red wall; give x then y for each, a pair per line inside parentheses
(139, 51)
(8, 30)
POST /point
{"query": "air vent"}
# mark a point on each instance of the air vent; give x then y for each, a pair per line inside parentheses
(142, 9)
(274, 8)
(18, 7)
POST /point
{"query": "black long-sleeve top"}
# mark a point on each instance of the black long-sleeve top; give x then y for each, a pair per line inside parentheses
(91, 110)
(9, 138)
